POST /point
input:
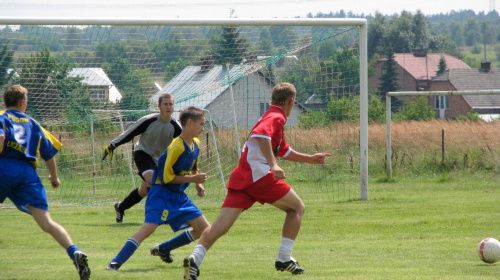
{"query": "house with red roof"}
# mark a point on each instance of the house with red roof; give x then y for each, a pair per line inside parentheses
(484, 78)
(415, 70)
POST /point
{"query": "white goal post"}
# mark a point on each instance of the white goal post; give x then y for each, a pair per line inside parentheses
(417, 93)
(360, 23)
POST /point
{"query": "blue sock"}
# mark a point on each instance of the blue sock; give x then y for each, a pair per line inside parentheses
(71, 251)
(176, 242)
(127, 251)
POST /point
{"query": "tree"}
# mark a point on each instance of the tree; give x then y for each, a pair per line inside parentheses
(377, 34)
(6, 72)
(389, 79)
(401, 33)
(417, 110)
(73, 39)
(442, 66)
(229, 47)
(169, 50)
(376, 109)
(174, 68)
(126, 79)
(472, 32)
(420, 30)
(53, 95)
(266, 41)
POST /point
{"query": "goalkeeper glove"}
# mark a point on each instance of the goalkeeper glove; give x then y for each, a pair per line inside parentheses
(108, 151)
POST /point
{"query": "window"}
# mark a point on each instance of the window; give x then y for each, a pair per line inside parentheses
(99, 94)
(441, 102)
(263, 108)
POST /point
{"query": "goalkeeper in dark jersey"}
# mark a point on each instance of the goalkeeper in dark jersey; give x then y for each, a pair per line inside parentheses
(156, 133)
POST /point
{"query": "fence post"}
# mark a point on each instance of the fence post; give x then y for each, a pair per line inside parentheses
(94, 171)
(388, 154)
(442, 147)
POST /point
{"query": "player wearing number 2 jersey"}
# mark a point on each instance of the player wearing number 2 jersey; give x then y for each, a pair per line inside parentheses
(21, 141)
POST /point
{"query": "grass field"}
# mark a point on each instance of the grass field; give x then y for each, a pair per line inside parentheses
(414, 228)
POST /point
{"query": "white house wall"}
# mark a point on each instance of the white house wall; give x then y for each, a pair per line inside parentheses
(249, 92)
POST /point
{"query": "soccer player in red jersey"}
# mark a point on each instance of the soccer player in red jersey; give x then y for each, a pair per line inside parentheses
(258, 178)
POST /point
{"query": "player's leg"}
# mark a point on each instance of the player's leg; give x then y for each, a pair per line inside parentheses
(163, 250)
(59, 233)
(145, 165)
(294, 208)
(221, 226)
(131, 246)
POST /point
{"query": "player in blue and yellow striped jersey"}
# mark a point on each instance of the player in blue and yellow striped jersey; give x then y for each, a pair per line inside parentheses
(167, 203)
(21, 141)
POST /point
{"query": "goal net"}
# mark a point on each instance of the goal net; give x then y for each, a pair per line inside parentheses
(89, 79)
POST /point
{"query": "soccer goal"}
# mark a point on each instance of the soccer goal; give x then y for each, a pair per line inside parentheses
(88, 79)
(388, 114)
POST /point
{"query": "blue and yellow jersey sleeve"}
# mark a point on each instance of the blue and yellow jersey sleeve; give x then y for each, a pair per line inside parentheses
(197, 145)
(174, 151)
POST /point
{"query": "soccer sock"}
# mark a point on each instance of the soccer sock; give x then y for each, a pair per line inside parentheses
(132, 199)
(199, 253)
(176, 242)
(285, 251)
(71, 251)
(128, 249)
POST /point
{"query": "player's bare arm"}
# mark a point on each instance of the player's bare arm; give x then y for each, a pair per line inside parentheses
(317, 158)
(52, 167)
(267, 151)
(195, 177)
(2, 140)
(200, 189)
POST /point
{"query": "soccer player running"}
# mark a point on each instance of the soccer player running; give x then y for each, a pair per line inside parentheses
(156, 132)
(167, 203)
(259, 178)
(21, 140)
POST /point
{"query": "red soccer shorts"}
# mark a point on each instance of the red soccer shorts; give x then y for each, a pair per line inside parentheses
(266, 190)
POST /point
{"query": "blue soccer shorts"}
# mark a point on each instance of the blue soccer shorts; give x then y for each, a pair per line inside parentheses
(22, 185)
(164, 206)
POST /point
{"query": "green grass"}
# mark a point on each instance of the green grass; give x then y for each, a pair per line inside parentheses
(412, 228)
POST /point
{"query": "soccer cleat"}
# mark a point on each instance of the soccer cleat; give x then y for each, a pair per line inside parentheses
(292, 266)
(82, 265)
(119, 214)
(155, 251)
(113, 266)
(191, 271)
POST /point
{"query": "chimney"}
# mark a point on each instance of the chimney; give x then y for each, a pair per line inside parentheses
(485, 66)
(420, 52)
(206, 63)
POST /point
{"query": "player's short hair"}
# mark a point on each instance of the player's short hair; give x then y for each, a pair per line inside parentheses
(190, 113)
(281, 92)
(14, 94)
(165, 95)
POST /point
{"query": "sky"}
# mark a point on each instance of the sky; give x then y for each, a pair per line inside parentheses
(157, 9)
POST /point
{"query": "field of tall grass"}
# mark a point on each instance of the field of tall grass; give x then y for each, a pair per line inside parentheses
(419, 147)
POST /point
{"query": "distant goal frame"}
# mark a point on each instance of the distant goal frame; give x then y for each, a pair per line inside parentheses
(388, 113)
(361, 23)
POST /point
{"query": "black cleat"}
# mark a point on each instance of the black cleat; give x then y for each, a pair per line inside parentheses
(155, 251)
(292, 266)
(113, 266)
(81, 264)
(191, 271)
(119, 214)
